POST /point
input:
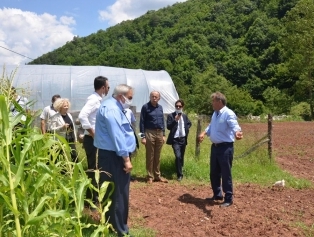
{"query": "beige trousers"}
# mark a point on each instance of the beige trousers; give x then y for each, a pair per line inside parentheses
(154, 143)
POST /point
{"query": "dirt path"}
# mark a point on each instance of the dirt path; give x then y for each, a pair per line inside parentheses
(176, 209)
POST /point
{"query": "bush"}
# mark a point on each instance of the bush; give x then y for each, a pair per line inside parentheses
(303, 110)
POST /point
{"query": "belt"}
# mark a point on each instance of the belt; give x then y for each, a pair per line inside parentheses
(154, 129)
(179, 138)
(222, 144)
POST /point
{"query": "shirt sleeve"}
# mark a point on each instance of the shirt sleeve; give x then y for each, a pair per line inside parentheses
(233, 123)
(142, 119)
(44, 114)
(115, 124)
(88, 108)
(207, 130)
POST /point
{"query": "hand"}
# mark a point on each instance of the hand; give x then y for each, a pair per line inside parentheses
(92, 133)
(177, 117)
(66, 125)
(239, 135)
(164, 139)
(143, 141)
(127, 165)
(201, 137)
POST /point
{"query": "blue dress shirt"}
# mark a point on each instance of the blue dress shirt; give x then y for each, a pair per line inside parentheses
(113, 131)
(223, 127)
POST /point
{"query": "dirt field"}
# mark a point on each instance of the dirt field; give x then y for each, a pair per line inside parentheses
(175, 209)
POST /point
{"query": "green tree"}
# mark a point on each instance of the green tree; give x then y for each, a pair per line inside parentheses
(276, 101)
(299, 44)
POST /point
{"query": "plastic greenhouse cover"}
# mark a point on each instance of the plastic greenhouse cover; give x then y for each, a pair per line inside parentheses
(76, 83)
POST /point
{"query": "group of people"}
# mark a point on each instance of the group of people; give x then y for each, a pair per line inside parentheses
(109, 133)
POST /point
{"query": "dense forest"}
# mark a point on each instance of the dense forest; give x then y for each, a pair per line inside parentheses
(259, 53)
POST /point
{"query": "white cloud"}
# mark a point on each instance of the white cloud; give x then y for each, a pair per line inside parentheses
(129, 9)
(30, 34)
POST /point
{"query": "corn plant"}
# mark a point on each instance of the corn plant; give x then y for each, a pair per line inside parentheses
(42, 192)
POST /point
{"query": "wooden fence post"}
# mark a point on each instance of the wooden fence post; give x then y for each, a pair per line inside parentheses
(270, 130)
(197, 144)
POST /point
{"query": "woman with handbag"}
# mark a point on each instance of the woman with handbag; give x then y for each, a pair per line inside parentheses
(62, 124)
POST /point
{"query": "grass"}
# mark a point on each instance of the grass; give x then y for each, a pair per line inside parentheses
(254, 168)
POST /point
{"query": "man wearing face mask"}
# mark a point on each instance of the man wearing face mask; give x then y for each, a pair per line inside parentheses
(179, 126)
(115, 141)
(87, 118)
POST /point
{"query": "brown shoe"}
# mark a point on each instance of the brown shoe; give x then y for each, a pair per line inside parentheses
(160, 179)
(149, 181)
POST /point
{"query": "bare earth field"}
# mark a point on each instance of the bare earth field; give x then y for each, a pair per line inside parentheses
(175, 209)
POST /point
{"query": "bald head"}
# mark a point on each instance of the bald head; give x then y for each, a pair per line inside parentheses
(154, 97)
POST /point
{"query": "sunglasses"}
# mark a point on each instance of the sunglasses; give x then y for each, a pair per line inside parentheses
(178, 106)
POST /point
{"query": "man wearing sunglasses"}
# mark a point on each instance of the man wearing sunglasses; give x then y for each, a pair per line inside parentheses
(179, 125)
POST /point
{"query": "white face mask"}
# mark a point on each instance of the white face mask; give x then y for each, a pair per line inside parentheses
(127, 103)
(178, 111)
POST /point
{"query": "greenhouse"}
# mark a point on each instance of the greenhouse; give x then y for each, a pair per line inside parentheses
(41, 82)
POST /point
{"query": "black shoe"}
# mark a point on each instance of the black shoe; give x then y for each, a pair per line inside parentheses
(180, 178)
(214, 198)
(226, 204)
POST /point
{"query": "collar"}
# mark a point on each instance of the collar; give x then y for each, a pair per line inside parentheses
(150, 104)
(97, 95)
(222, 110)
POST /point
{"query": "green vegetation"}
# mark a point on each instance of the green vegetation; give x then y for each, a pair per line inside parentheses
(258, 53)
(254, 168)
(42, 192)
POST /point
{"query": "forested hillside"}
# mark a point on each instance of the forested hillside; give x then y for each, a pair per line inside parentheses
(259, 53)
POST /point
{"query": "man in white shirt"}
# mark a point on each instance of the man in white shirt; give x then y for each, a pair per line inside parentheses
(47, 113)
(130, 116)
(87, 118)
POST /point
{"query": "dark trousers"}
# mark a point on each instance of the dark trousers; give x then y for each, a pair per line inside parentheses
(220, 170)
(73, 152)
(178, 146)
(119, 209)
(91, 152)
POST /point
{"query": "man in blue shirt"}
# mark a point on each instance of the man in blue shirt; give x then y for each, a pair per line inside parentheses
(222, 130)
(115, 140)
(152, 126)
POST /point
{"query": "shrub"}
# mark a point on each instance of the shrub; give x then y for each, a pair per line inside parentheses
(303, 110)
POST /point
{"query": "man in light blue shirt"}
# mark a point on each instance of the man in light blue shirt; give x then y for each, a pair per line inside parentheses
(115, 140)
(222, 130)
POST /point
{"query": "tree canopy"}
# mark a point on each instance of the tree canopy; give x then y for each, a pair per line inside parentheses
(244, 48)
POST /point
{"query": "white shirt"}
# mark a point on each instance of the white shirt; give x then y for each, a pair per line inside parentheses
(88, 113)
(47, 113)
(129, 114)
(180, 127)
(22, 101)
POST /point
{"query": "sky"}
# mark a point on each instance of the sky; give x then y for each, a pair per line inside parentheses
(31, 28)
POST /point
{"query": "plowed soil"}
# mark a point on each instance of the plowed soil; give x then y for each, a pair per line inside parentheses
(175, 209)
